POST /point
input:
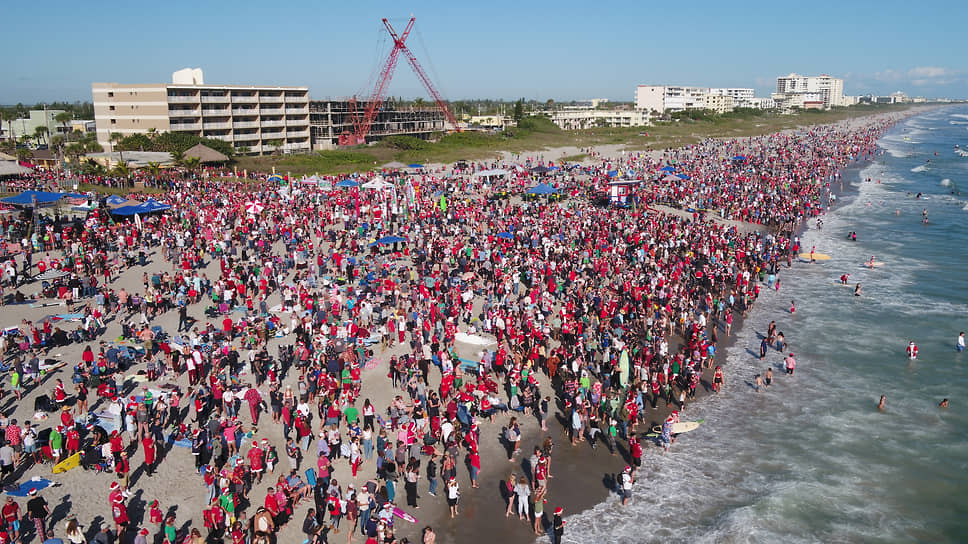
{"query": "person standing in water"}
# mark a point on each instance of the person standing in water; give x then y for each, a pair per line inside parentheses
(881, 404)
(960, 344)
(857, 290)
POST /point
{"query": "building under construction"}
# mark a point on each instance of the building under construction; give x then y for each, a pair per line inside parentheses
(328, 119)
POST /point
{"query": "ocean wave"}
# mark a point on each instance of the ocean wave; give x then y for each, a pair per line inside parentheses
(946, 182)
(961, 152)
(958, 122)
(921, 168)
(960, 115)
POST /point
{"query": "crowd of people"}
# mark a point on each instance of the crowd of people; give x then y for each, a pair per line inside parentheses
(289, 304)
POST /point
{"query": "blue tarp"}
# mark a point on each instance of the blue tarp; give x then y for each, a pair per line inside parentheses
(612, 173)
(415, 165)
(505, 235)
(682, 176)
(347, 183)
(27, 198)
(542, 189)
(739, 158)
(667, 169)
(388, 240)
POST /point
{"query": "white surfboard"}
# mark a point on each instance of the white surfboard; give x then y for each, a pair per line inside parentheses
(685, 426)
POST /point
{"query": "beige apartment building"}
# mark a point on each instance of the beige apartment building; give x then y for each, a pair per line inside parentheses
(254, 119)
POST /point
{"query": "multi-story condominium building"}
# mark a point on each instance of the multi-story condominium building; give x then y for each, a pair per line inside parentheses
(667, 98)
(796, 90)
(254, 119)
(581, 119)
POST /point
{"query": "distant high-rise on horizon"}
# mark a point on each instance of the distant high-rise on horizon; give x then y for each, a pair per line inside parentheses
(807, 92)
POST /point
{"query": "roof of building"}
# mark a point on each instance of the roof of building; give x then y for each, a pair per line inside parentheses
(205, 154)
(43, 155)
(136, 159)
(5, 157)
(11, 168)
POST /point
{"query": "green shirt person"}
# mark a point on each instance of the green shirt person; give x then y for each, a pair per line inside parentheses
(351, 413)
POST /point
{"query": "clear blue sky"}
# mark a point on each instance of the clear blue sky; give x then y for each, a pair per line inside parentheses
(496, 49)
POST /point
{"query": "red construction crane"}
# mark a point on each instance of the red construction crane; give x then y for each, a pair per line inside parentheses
(362, 125)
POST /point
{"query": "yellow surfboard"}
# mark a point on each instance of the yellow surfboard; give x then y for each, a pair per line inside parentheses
(71, 462)
(816, 256)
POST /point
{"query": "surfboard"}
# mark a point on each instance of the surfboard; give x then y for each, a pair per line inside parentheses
(876, 264)
(71, 462)
(403, 515)
(686, 426)
(843, 284)
(677, 428)
(816, 256)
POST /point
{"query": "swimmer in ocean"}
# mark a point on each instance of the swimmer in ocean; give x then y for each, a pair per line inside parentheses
(870, 263)
(924, 216)
(883, 401)
(857, 290)
(943, 403)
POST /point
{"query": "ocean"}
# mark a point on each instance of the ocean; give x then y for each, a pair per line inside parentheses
(812, 459)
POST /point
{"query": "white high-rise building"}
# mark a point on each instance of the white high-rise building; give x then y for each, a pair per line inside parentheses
(667, 98)
(742, 97)
(806, 91)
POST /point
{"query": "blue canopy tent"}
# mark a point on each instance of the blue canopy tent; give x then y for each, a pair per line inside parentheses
(148, 206)
(114, 200)
(612, 173)
(682, 176)
(542, 189)
(667, 169)
(415, 165)
(541, 169)
(347, 184)
(32, 198)
(739, 158)
(387, 240)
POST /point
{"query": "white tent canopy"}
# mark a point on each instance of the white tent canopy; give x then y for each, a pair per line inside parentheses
(377, 183)
(496, 172)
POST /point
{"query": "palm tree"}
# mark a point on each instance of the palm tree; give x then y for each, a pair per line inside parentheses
(121, 170)
(115, 139)
(64, 118)
(153, 168)
(192, 163)
(40, 134)
(9, 116)
(178, 157)
(23, 154)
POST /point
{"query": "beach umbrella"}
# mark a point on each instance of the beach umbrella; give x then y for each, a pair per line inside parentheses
(667, 169)
(253, 207)
(347, 183)
(276, 178)
(670, 179)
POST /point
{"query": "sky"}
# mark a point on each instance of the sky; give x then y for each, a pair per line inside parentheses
(562, 50)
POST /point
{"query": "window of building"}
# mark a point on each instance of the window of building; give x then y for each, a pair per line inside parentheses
(110, 94)
(114, 121)
(111, 108)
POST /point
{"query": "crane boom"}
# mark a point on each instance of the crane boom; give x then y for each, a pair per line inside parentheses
(363, 124)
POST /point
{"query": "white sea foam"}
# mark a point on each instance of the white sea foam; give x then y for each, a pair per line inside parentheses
(960, 115)
(946, 182)
(921, 168)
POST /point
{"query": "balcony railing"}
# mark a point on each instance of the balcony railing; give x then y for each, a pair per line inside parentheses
(271, 99)
(266, 124)
(186, 126)
(272, 111)
(215, 99)
(182, 99)
(245, 124)
(252, 136)
(223, 137)
(297, 110)
(184, 113)
(298, 134)
(215, 126)
(245, 111)
(245, 99)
